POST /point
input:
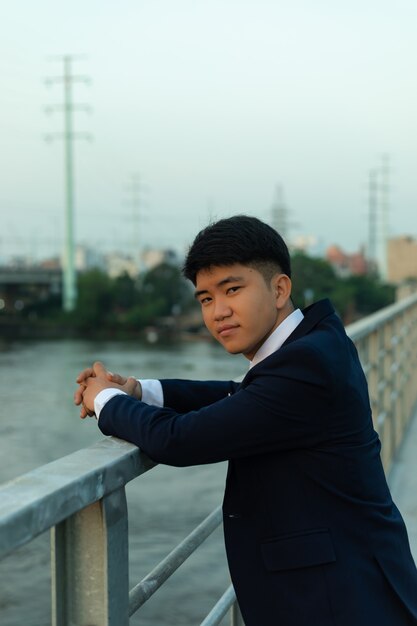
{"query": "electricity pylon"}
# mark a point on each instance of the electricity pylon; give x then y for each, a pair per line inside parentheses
(69, 292)
(379, 191)
(280, 215)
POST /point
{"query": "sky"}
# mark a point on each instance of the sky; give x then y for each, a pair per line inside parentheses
(210, 105)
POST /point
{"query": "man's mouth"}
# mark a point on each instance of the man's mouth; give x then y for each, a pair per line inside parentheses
(226, 330)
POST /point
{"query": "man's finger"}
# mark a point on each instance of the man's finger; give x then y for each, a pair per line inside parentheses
(78, 395)
(130, 386)
(87, 411)
(99, 369)
(116, 378)
(85, 374)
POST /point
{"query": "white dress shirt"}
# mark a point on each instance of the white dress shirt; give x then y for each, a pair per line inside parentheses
(277, 338)
(152, 392)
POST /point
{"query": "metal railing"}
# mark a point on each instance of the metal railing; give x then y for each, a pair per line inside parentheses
(81, 497)
(387, 346)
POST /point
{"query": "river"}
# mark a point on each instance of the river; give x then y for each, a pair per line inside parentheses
(39, 423)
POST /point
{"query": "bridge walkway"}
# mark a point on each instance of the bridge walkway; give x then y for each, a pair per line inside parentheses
(402, 479)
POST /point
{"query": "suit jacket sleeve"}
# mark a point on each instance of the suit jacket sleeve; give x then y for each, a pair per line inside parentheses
(189, 395)
(278, 407)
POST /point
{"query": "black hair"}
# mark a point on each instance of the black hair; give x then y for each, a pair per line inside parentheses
(239, 239)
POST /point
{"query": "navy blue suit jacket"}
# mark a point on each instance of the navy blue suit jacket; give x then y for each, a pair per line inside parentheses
(312, 535)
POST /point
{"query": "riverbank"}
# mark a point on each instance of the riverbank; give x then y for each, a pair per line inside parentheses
(14, 327)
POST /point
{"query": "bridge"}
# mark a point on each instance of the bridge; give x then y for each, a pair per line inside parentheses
(81, 498)
(21, 285)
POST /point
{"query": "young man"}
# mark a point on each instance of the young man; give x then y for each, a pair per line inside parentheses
(312, 535)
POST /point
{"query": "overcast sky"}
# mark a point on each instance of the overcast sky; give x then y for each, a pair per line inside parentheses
(213, 103)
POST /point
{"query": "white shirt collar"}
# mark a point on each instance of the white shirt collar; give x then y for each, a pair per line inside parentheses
(277, 338)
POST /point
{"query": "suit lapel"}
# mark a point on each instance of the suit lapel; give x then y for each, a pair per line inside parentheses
(313, 315)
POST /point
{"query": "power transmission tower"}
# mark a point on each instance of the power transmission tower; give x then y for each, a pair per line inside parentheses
(379, 188)
(134, 190)
(373, 206)
(384, 217)
(280, 215)
(68, 135)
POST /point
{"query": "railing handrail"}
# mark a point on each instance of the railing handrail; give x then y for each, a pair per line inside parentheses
(45, 496)
(372, 322)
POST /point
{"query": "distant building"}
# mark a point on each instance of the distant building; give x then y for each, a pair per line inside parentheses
(346, 264)
(118, 264)
(402, 259)
(19, 261)
(154, 257)
(309, 244)
(88, 258)
(52, 263)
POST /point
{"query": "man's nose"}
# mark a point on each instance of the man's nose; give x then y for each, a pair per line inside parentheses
(221, 310)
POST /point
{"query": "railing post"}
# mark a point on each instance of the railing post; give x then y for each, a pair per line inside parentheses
(90, 572)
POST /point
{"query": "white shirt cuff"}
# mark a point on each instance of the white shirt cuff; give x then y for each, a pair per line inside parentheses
(103, 397)
(152, 392)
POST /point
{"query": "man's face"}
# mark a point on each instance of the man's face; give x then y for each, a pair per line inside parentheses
(239, 309)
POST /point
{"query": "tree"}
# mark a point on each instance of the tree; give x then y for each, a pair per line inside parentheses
(313, 279)
(165, 286)
(353, 297)
(124, 291)
(94, 303)
(370, 294)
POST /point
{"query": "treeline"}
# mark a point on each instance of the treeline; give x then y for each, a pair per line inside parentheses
(123, 305)
(118, 306)
(353, 296)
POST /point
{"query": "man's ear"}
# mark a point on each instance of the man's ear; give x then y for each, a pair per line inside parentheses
(281, 284)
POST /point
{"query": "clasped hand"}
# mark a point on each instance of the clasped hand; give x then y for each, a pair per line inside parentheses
(94, 379)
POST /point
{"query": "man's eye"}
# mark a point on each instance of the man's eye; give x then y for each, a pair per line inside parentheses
(233, 289)
(204, 301)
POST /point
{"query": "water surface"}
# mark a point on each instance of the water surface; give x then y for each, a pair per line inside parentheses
(39, 423)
